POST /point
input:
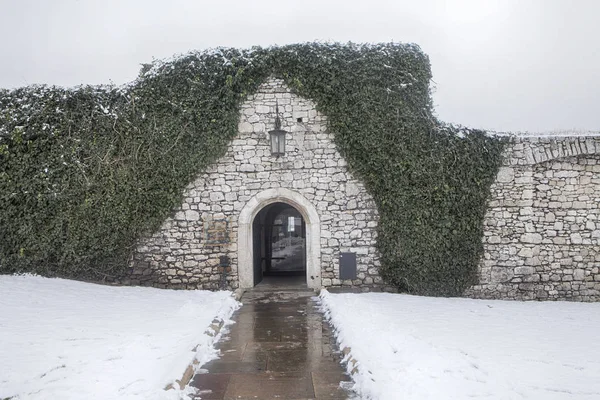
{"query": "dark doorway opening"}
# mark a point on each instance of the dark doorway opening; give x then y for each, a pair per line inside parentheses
(279, 245)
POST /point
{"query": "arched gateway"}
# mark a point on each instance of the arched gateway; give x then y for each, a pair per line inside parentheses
(247, 237)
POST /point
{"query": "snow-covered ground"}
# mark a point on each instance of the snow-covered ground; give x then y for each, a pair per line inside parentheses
(62, 339)
(411, 347)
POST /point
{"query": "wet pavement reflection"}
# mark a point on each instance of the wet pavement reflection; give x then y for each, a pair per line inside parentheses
(279, 348)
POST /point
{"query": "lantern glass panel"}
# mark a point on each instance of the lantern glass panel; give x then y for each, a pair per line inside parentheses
(281, 142)
(274, 145)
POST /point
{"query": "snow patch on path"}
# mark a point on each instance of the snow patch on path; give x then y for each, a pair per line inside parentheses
(62, 339)
(420, 348)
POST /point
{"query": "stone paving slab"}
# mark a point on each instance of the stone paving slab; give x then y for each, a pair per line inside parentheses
(279, 348)
(271, 385)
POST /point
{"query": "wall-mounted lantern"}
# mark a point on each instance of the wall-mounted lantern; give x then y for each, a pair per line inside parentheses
(277, 136)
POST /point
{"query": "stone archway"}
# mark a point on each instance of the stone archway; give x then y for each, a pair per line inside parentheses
(245, 237)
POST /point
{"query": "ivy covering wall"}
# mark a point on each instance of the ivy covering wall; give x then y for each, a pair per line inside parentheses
(86, 172)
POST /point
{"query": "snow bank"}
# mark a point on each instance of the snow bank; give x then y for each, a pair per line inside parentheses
(63, 339)
(411, 347)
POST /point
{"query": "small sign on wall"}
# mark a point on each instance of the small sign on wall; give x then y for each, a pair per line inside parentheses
(216, 232)
(347, 266)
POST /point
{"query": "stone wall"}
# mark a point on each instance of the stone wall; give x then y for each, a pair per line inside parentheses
(542, 227)
(541, 231)
(185, 252)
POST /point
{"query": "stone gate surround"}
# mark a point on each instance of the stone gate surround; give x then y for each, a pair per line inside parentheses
(215, 218)
(313, 234)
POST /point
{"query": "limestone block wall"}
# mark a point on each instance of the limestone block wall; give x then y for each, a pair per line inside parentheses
(542, 227)
(186, 251)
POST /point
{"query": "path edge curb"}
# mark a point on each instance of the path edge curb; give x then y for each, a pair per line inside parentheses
(348, 359)
(213, 330)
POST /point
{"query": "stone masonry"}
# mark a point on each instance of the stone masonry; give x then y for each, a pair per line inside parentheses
(542, 227)
(186, 251)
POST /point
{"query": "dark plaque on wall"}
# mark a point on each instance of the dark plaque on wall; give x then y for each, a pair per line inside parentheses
(216, 232)
(347, 266)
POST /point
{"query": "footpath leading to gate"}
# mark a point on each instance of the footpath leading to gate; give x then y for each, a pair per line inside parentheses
(280, 347)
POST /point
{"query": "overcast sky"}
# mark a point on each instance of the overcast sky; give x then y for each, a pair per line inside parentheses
(511, 65)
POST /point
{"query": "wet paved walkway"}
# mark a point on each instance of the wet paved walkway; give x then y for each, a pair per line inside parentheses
(279, 348)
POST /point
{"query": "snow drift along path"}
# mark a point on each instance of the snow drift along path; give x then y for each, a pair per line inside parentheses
(411, 347)
(62, 339)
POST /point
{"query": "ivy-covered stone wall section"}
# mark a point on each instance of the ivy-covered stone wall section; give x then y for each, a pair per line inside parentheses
(85, 173)
(542, 227)
(181, 255)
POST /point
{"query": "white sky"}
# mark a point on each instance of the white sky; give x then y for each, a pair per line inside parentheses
(513, 65)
